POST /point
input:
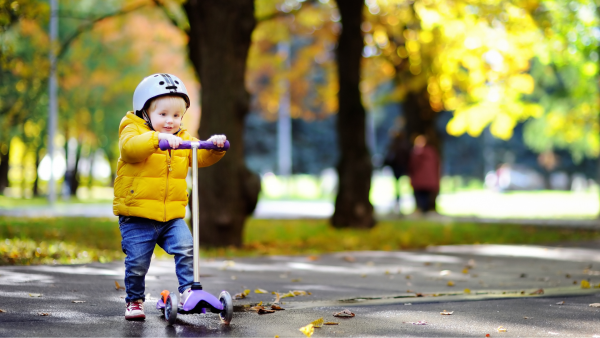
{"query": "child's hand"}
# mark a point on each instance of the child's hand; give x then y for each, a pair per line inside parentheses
(174, 141)
(218, 140)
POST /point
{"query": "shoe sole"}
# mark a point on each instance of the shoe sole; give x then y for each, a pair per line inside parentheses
(137, 317)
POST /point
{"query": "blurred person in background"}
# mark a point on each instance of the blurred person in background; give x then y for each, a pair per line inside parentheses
(396, 157)
(424, 173)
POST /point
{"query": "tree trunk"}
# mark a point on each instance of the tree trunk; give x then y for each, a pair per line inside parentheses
(352, 205)
(219, 39)
(421, 120)
(3, 168)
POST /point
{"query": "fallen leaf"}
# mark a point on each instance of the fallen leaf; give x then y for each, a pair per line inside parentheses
(1, 311)
(465, 271)
(264, 311)
(427, 263)
(331, 323)
(276, 307)
(350, 259)
(313, 258)
(595, 305)
(289, 294)
(277, 297)
(445, 272)
(526, 317)
(119, 287)
(467, 291)
(420, 322)
(43, 314)
(261, 291)
(35, 295)
(568, 276)
(446, 312)
(501, 329)
(471, 264)
(318, 323)
(300, 293)
(538, 292)
(242, 294)
(78, 301)
(296, 280)
(363, 275)
(308, 330)
(408, 277)
(450, 283)
(561, 302)
(344, 313)
(487, 334)
(585, 284)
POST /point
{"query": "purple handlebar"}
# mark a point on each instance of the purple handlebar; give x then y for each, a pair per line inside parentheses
(164, 145)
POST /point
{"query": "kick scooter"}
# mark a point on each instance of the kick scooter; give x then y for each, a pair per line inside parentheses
(199, 300)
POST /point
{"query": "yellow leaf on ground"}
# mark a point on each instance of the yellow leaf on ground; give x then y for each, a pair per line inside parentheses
(585, 284)
(447, 313)
(277, 297)
(318, 323)
(467, 291)
(299, 292)
(246, 292)
(289, 294)
(308, 330)
(465, 271)
(35, 295)
(261, 291)
(450, 283)
(501, 329)
(296, 280)
(119, 287)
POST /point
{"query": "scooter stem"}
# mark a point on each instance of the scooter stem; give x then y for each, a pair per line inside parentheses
(195, 216)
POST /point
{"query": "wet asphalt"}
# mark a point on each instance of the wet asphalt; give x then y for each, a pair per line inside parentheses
(531, 291)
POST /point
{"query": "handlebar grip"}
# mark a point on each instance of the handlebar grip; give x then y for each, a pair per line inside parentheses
(164, 145)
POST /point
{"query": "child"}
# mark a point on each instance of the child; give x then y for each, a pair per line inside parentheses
(150, 187)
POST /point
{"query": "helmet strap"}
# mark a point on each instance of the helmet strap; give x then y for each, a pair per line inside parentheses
(147, 119)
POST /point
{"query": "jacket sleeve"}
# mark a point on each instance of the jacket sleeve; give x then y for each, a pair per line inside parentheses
(207, 157)
(136, 147)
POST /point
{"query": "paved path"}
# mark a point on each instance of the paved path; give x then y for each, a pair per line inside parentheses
(487, 286)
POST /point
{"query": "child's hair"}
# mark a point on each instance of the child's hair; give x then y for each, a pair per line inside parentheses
(173, 99)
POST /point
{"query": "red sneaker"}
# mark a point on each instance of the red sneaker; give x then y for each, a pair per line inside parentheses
(135, 310)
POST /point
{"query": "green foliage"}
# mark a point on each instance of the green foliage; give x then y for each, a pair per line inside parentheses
(82, 240)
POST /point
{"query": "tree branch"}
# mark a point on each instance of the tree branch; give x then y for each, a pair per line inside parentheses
(66, 44)
(169, 15)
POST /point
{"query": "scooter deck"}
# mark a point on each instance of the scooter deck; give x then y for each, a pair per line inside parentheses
(197, 302)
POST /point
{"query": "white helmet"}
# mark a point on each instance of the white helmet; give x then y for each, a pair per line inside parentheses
(157, 85)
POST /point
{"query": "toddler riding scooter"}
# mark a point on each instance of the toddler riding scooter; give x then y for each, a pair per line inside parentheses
(199, 300)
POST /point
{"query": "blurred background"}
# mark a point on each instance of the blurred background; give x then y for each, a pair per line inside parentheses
(505, 90)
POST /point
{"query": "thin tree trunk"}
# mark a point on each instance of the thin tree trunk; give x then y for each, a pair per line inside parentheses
(3, 169)
(219, 39)
(352, 205)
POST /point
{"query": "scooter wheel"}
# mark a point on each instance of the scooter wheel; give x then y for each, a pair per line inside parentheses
(171, 306)
(227, 303)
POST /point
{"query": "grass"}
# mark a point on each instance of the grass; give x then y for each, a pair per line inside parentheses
(82, 240)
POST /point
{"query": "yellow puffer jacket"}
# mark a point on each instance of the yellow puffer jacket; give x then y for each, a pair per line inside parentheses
(150, 182)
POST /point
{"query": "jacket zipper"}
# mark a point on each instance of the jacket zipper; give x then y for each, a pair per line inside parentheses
(167, 189)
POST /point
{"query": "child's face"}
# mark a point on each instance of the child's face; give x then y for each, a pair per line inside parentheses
(166, 113)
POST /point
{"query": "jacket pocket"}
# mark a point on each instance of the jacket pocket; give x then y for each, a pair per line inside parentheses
(131, 192)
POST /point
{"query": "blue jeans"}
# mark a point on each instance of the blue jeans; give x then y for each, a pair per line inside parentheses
(140, 236)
